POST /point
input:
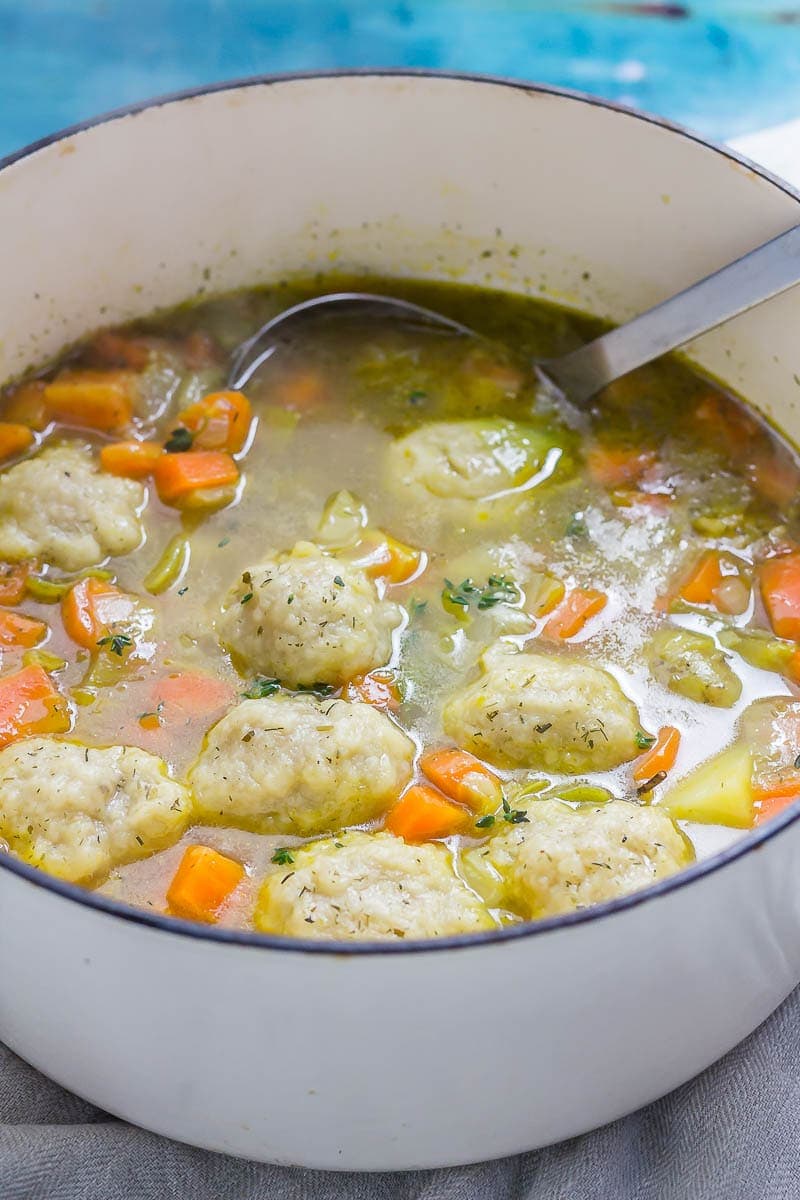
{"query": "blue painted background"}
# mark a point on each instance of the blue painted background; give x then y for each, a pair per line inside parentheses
(725, 68)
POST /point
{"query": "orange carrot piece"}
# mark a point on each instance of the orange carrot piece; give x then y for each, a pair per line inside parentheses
(14, 439)
(135, 460)
(220, 421)
(93, 399)
(772, 798)
(200, 350)
(30, 704)
(18, 630)
(383, 557)
(109, 349)
(463, 777)
(90, 607)
(202, 883)
(661, 755)
(613, 466)
(379, 689)
(12, 581)
(301, 392)
(779, 579)
(703, 578)
(574, 611)
(422, 814)
(191, 694)
(178, 475)
(25, 405)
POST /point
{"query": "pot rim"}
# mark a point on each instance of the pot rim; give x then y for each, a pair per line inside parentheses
(259, 941)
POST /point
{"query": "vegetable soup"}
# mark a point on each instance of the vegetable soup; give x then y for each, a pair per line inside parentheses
(399, 644)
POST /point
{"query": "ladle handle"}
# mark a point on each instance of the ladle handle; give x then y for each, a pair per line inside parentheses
(757, 276)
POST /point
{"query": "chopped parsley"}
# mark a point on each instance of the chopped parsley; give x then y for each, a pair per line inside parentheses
(283, 857)
(576, 526)
(182, 591)
(416, 608)
(179, 440)
(261, 688)
(117, 643)
(459, 599)
(337, 579)
(223, 542)
(246, 598)
(317, 689)
(644, 740)
(485, 822)
(514, 816)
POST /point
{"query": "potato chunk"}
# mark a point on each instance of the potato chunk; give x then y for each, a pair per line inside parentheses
(307, 618)
(76, 811)
(566, 858)
(60, 507)
(369, 885)
(544, 711)
(296, 764)
(692, 665)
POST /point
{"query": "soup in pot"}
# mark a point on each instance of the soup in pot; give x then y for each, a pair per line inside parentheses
(399, 644)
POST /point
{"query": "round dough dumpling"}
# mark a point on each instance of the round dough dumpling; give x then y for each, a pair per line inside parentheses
(549, 712)
(76, 811)
(62, 508)
(369, 885)
(564, 858)
(307, 618)
(471, 459)
(296, 764)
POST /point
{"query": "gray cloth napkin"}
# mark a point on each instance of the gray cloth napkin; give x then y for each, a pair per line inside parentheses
(731, 1134)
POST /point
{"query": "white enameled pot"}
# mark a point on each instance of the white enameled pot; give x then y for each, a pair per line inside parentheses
(378, 1057)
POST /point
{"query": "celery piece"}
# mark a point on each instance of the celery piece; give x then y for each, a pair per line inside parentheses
(170, 567)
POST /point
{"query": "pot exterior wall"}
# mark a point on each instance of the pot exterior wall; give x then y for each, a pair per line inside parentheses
(449, 1055)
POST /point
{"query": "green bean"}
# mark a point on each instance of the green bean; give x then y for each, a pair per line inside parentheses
(170, 566)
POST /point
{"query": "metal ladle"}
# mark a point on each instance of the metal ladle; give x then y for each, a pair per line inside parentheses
(743, 284)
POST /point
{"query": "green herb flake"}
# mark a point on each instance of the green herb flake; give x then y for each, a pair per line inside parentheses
(576, 526)
(117, 643)
(283, 857)
(261, 688)
(644, 740)
(316, 689)
(498, 589)
(246, 598)
(337, 579)
(223, 542)
(179, 441)
(485, 822)
(514, 816)
(182, 591)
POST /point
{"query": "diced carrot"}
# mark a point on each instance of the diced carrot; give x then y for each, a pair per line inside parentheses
(12, 580)
(383, 557)
(14, 439)
(504, 375)
(704, 576)
(422, 814)
(624, 497)
(725, 423)
(463, 777)
(779, 579)
(378, 689)
(109, 349)
(93, 399)
(133, 459)
(202, 883)
(613, 466)
(200, 350)
(220, 421)
(661, 755)
(574, 611)
(19, 630)
(30, 704)
(91, 607)
(191, 694)
(301, 392)
(25, 405)
(772, 798)
(177, 476)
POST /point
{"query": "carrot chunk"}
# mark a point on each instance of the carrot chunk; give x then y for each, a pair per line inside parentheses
(422, 814)
(383, 557)
(135, 460)
(772, 798)
(220, 421)
(30, 704)
(613, 466)
(177, 476)
(25, 405)
(202, 883)
(191, 694)
(14, 439)
(110, 349)
(379, 689)
(574, 611)
(12, 581)
(463, 777)
(779, 579)
(18, 630)
(94, 399)
(90, 607)
(703, 579)
(660, 757)
(301, 392)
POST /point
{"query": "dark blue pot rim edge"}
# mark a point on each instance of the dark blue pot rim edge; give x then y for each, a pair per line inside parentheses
(174, 925)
